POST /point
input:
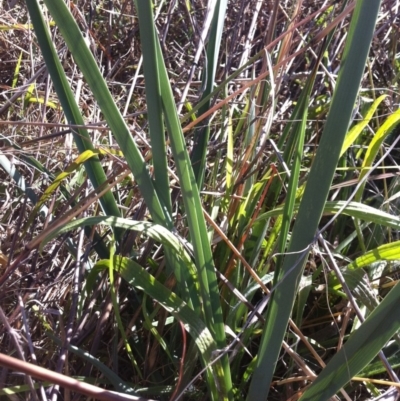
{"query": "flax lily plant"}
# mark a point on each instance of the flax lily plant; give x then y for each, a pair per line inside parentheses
(224, 308)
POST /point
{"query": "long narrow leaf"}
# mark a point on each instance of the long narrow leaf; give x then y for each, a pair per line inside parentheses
(362, 346)
(154, 231)
(389, 251)
(353, 209)
(354, 133)
(154, 106)
(299, 134)
(316, 192)
(194, 211)
(202, 135)
(70, 108)
(86, 62)
(387, 127)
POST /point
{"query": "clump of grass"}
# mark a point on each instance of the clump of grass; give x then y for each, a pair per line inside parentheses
(205, 206)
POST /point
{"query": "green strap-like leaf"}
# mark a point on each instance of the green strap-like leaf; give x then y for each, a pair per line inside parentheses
(202, 135)
(353, 134)
(353, 209)
(316, 191)
(195, 218)
(387, 127)
(362, 346)
(81, 136)
(154, 105)
(139, 278)
(384, 252)
(154, 231)
(86, 62)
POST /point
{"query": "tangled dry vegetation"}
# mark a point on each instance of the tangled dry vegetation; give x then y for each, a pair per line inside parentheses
(42, 290)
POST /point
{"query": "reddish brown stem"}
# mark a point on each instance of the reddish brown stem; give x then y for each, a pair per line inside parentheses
(64, 381)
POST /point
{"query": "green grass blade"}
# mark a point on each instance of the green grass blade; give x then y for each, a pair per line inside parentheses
(299, 135)
(353, 209)
(202, 135)
(115, 303)
(387, 127)
(86, 62)
(362, 346)
(139, 278)
(155, 231)
(196, 222)
(154, 105)
(354, 133)
(316, 192)
(389, 251)
(192, 202)
(193, 208)
(70, 108)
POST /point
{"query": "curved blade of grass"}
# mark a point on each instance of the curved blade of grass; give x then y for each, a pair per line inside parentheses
(202, 135)
(315, 195)
(154, 106)
(353, 209)
(373, 148)
(191, 198)
(155, 231)
(353, 134)
(139, 278)
(384, 252)
(362, 346)
(116, 310)
(82, 139)
(87, 64)
(299, 134)
(195, 218)
(81, 159)
(387, 127)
